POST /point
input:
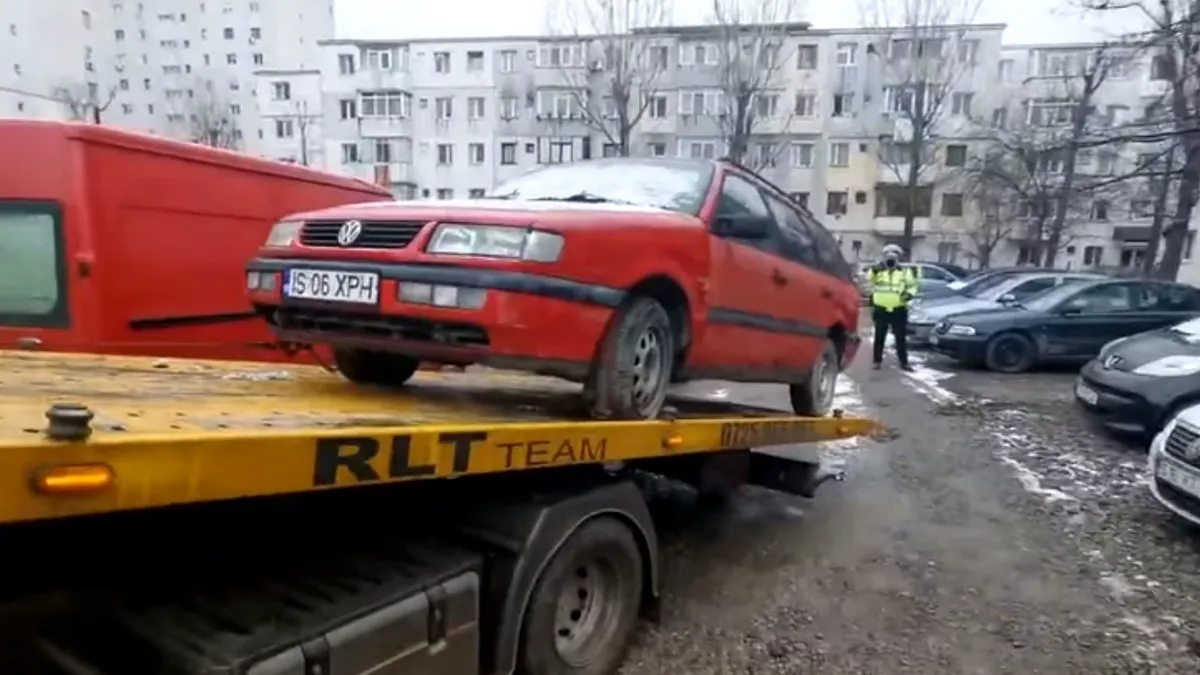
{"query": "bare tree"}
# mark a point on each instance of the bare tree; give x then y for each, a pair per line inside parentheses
(924, 51)
(617, 83)
(989, 192)
(85, 101)
(304, 122)
(751, 52)
(210, 120)
(1170, 33)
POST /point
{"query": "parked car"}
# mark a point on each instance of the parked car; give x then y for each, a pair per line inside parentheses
(945, 271)
(1068, 324)
(1017, 288)
(1136, 384)
(927, 287)
(976, 283)
(624, 273)
(1175, 465)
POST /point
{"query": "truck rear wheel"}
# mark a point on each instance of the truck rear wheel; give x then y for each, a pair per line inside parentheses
(379, 368)
(584, 607)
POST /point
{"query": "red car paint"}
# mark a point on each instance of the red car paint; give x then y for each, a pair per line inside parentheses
(152, 239)
(751, 315)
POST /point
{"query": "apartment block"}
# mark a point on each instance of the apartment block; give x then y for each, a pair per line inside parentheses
(183, 68)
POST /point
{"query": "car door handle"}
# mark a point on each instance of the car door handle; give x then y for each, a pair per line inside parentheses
(778, 278)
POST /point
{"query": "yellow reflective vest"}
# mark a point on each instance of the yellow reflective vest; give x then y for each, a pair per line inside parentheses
(892, 288)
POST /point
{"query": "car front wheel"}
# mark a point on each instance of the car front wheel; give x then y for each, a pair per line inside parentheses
(633, 368)
(1010, 353)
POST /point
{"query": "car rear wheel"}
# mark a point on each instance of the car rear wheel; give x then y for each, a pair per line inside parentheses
(814, 396)
(633, 365)
(1010, 353)
(378, 368)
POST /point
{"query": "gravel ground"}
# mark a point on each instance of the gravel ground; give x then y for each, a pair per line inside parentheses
(997, 533)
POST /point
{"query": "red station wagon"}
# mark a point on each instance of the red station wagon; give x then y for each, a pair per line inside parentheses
(626, 274)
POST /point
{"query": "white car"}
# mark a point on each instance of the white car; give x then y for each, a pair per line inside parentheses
(1175, 465)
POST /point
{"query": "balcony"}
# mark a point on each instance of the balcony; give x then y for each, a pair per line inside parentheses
(385, 127)
(369, 79)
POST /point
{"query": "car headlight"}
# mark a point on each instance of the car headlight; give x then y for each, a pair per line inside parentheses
(1170, 366)
(284, 234)
(958, 329)
(496, 242)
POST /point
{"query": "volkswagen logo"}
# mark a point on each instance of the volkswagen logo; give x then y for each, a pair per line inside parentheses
(350, 232)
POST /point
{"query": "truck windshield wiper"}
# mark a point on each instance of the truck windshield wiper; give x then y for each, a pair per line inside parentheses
(582, 198)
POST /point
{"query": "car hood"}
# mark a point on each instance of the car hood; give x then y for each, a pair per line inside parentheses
(1138, 350)
(941, 310)
(500, 212)
(997, 314)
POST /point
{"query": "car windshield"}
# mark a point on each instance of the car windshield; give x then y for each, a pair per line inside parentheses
(980, 286)
(673, 185)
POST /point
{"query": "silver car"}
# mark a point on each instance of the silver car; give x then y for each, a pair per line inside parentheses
(923, 316)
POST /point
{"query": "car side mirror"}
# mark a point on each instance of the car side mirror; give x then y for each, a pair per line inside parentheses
(742, 226)
(1008, 298)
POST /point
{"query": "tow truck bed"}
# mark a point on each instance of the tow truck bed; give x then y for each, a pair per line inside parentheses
(165, 432)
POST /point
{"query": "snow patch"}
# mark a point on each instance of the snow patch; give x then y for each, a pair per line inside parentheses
(848, 398)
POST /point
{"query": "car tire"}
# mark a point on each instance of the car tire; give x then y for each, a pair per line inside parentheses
(814, 396)
(363, 366)
(1010, 353)
(585, 605)
(634, 363)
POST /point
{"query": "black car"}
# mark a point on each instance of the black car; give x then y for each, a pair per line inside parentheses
(1137, 384)
(1070, 323)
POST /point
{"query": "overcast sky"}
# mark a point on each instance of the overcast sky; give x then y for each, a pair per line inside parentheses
(1029, 21)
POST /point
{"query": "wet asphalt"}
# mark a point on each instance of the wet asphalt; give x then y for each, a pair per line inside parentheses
(997, 533)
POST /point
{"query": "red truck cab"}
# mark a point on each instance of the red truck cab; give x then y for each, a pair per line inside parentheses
(118, 242)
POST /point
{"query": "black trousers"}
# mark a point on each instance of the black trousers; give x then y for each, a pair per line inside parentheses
(897, 321)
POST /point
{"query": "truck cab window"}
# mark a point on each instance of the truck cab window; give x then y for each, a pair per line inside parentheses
(32, 269)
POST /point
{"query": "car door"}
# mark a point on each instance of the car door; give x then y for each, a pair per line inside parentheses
(810, 297)
(1170, 304)
(747, 315)
(1083, 323)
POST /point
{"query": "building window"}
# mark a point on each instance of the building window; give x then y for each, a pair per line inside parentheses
(555, 151)
(349, 153)
(956, 155)
(508, 61)
(281, 91)
(445, 193)
(800, 198)
(231, 59)
(379, 59)
(476, 193)
(1100, 210)
(952, 204)
(348, 108)
(802, 155)
(843, 105)
(475, 153)
(509, 108)
(441, 62)
(383, 152)
(258, 59)
(444, 107)
(475, 108)
(228, 33)
(346, 64)
(284, 129)
(386, 104)
(1141, 209)
(960, 104)
(1093, 255)
(657, 149)
(806, 57)
(120, 35)
(836, 203)
(508, 153)
(656, 107)
(806, 104)
(610, 150)
(474, 62)
(445, 154)
(839, 154)
(766, 154)
(700, 150)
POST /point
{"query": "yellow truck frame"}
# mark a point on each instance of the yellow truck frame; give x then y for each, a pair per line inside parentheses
(544, 571)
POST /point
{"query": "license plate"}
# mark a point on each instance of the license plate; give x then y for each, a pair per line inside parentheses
(333, 286)
(1086, 394)
(1185, 479)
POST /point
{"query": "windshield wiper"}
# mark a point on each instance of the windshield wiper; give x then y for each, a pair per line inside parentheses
(581, 198)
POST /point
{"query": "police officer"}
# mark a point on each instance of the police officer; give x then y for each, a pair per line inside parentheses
(892, 286)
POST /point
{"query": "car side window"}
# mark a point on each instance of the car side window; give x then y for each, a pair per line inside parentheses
(798, 244)
(1178, 299)
(829, 252)
(1104, 299)
(937, 273)
(740, 197)
(1032, 287)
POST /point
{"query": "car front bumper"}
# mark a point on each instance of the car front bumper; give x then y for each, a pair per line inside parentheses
(965, 348)
(526, 321)
(918, 333)
(1128, 403)
(1175, 480)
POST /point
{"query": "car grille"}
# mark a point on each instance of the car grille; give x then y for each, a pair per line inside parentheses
(375, 233)
(1179, 443)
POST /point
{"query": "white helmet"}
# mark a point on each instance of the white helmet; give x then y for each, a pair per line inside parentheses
(892, 251)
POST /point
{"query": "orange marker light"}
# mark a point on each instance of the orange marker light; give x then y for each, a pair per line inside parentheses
(74, 479)
(673, 441)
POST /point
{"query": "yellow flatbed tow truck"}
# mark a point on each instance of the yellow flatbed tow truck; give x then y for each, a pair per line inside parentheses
(182, 517)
